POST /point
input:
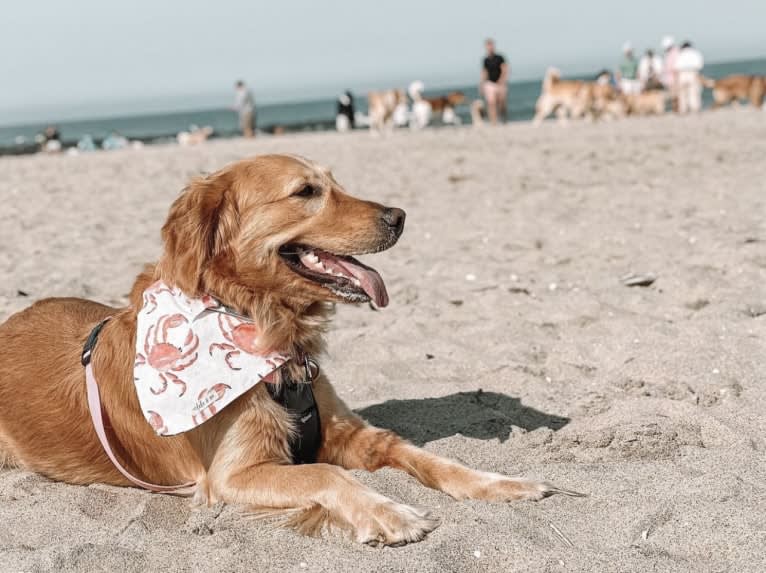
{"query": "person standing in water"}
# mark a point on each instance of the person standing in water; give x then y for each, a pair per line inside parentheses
(494, 82)
(244, 105)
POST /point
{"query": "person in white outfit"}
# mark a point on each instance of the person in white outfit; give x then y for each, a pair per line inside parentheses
(669, 72)
(650, 71)
(688, 66)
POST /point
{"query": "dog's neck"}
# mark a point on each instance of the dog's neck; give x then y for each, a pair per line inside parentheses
(288, 327)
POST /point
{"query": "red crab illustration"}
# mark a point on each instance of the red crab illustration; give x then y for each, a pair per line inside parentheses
(150, 297)
(206, 402)
(156, 422)
(165, 358)
(242, 337)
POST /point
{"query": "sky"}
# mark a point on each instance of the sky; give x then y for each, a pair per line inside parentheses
(84, 58)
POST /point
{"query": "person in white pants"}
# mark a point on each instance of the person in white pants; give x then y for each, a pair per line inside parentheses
(688, 66)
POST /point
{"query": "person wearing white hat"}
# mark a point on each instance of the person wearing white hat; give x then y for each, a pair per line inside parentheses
(627, 73)
(689, 66)
(669, 72)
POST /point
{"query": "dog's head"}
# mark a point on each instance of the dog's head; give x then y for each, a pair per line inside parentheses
(276, 225)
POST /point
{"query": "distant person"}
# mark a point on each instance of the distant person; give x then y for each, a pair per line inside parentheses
(627, 72)
(115, 141)
(669, 76)
(494, 82)
(344, 117)
(50, 140)
(86, 143)
(51, 133)
(244, 105)
(689, 65)
(650, 71)
(605, 78)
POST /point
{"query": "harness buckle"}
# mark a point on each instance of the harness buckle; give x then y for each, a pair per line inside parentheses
(90, 343)
(312, 368)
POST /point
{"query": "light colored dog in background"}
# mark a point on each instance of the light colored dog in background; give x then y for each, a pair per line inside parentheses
(421, 108)
(736, 88)
(478, 113)
(381, 108)
(571, 98)
(649, 102)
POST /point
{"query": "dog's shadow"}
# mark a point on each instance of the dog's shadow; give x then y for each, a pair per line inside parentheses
(483, 415)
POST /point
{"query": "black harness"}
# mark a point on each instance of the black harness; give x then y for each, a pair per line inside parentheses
(297, 398)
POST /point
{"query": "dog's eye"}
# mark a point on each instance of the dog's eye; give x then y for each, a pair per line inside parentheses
(308, 191)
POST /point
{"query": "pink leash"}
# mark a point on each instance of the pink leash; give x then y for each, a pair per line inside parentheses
(97, 415)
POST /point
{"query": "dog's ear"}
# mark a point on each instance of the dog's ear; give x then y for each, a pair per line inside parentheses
(200, 224)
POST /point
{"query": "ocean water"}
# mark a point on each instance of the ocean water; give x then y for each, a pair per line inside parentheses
(294, 116)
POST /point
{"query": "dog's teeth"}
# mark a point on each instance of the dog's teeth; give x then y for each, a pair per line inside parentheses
(356, 282)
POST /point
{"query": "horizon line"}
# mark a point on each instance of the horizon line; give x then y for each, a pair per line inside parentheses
(269, 100)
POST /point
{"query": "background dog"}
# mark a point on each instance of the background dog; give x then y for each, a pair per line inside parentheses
(649, 102)
(736, 88)
(571, 98)
(381, 108)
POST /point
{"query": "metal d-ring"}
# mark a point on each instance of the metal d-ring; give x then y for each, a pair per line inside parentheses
(312, 368)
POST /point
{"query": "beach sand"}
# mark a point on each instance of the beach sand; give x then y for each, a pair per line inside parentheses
(510, 344)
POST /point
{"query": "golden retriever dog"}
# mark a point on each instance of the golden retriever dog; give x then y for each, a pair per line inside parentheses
(736, 88)
(648, 102)
(381, 106)
(571, 98)
(273, 238)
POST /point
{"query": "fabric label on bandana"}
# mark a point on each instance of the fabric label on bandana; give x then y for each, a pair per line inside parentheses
(193, 358)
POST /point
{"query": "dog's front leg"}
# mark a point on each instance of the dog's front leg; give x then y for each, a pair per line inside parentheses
(322, 494)
(350, 442)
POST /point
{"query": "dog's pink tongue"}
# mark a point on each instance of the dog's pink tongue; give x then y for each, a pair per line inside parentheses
(349, 267)
(372, 283)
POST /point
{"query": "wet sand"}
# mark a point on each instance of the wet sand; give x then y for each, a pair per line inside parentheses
(510, 344)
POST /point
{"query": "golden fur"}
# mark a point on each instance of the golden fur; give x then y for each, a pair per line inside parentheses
(221, 237)
(571, 98)
(648, 102)
(736, 88)
(381, 106)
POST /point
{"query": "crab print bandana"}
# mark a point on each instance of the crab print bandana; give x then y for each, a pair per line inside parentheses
(194, 357)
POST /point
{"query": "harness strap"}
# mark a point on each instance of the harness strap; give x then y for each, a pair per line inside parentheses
(298, 399)
(98, 415)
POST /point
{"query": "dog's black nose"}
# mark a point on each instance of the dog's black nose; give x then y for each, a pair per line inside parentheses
(394, 218)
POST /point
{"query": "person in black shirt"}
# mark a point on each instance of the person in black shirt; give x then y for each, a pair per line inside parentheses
(494, 82)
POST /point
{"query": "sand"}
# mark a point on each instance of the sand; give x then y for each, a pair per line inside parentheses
(510, 344)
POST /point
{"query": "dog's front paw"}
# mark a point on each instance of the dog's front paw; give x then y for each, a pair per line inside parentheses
(496, 487)
(391, 523)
